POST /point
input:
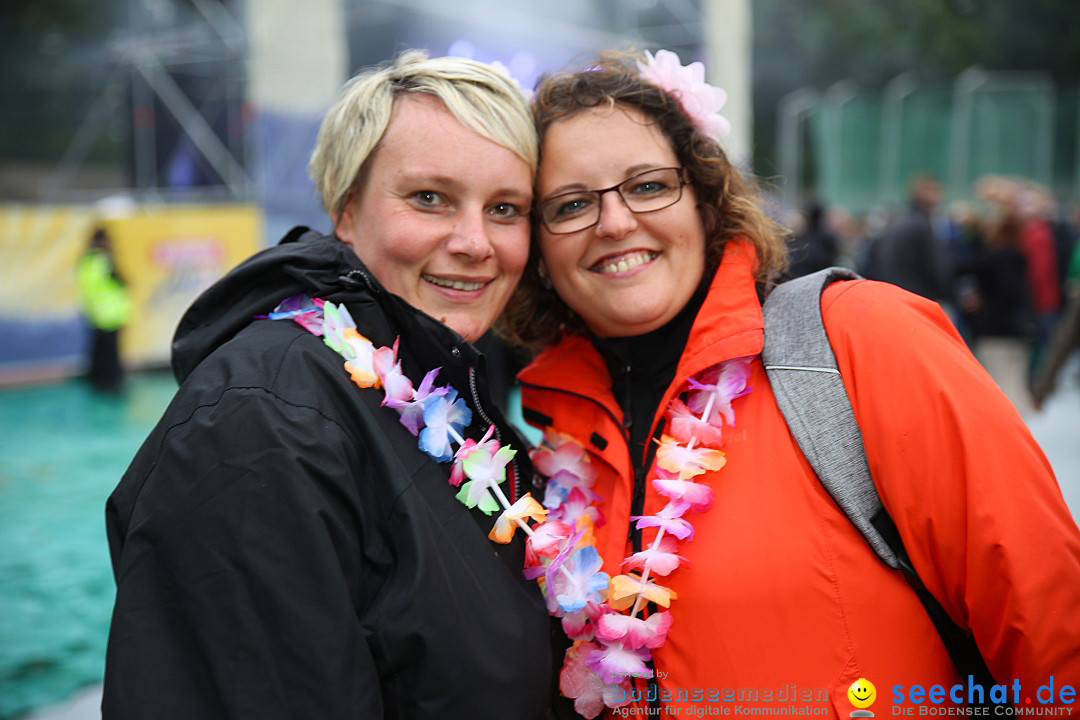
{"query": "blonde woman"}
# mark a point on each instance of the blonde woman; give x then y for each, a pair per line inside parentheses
(288, 543)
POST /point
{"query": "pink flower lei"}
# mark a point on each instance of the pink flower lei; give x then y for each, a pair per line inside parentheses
(600, 614)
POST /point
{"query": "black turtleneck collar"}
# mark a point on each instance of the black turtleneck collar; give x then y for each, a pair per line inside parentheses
(642, 367)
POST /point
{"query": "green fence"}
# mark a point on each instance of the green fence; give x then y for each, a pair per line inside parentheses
(859, 147)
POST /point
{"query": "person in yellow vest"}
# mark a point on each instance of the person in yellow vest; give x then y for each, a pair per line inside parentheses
(106, 303)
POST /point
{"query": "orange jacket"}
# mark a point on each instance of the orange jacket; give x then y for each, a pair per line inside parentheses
(783, 604)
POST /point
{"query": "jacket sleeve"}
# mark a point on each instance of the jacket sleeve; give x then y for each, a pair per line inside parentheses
(972, 494)
(236, 538)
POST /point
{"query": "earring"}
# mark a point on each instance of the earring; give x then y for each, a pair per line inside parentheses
(544, 279)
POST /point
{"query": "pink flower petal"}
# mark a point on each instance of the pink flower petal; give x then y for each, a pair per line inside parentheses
(582, 624)
(614, 663)
(575, 506)
(699, 100)
(634, 632)
(567, 456)
(661, 558)
(548, 536)
(723, 383)
(577, 681)
(685, 427)
(698, 496)
(678, 527)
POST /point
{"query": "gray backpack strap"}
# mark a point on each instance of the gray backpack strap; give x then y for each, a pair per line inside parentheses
(802, 370)
(810, 392)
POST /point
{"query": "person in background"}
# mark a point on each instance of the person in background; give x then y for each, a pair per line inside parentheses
(911, 255)
(314, 528)
(1066, 336)
(815, 247)
(666, 449)
(966, 240)
(106, 303)
(997, 307)
(1062, 219)
(1034, 206)
(868, 242)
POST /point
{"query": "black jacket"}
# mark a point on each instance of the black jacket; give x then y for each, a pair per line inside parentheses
(1006, 309)
(283, 549)
(912, 256)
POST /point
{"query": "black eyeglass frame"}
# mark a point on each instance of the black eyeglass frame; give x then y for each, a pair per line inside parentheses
(683, 180)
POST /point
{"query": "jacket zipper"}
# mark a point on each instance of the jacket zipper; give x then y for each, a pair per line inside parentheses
(515, 487)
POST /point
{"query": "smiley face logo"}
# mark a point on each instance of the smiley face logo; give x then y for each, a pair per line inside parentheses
(862, 693)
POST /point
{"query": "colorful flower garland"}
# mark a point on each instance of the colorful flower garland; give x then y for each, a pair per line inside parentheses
(435, 415)
(611, 645)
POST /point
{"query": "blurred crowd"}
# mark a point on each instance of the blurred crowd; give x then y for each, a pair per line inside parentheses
(1005, 266)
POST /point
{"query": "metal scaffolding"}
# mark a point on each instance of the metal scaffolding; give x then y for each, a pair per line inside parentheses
(189, 78)
(168, 49)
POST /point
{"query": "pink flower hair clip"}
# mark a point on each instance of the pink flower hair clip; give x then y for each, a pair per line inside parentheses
(698, 99)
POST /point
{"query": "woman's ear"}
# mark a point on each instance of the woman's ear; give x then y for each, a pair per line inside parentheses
(541, 269)
(345, 225)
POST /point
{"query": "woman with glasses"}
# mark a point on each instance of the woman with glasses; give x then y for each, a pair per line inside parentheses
(699, 564)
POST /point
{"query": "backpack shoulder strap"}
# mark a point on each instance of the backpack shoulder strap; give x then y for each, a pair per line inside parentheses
(802, 370)
(806, 382)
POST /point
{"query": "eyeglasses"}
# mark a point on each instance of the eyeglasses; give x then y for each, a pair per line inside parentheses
(647, 192)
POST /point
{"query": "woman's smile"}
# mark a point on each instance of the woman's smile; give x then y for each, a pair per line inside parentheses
(454, 284)
(624, 263)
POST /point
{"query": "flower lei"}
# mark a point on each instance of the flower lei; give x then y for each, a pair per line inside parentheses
(610, 644)
(435, 415)
(698, 99)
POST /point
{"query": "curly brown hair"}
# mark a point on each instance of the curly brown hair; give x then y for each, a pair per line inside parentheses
(730, 205)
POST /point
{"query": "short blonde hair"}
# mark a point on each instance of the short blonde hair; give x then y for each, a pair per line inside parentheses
(481, 97)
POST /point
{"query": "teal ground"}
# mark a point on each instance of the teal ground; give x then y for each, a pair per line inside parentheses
(63, 448)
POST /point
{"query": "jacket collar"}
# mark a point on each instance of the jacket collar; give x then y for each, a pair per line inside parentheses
(730, 323)
(303, 262)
